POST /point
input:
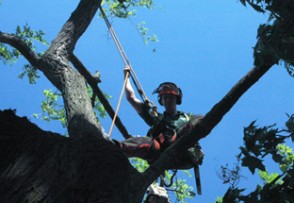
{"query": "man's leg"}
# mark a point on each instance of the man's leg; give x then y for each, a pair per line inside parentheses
(142, 147)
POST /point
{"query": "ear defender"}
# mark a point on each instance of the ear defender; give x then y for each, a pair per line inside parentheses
(168, 88)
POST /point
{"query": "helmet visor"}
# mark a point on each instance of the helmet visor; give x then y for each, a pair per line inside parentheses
(167, 89)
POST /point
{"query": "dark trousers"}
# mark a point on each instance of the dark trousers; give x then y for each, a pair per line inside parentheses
(146, 147)
(149, 148)
(142, 147)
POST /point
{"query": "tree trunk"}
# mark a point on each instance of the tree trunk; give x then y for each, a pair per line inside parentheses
(81, 119)
(39, 166)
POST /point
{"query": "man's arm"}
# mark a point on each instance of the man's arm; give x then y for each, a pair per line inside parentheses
(130, 94)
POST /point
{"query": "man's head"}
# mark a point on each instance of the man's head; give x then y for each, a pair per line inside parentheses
(168, 88)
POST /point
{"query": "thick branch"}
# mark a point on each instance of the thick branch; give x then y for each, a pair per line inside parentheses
(21, 46)
(75, 27)
(55, 62)
(200, 129)
(92, 81)
(214, 116)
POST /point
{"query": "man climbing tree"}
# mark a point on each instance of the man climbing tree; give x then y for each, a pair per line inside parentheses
(164, 127)
(38, 166)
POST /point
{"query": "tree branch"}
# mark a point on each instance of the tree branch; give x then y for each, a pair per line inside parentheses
(214, 116)
(79, 111)
(93, 82)
(21, 46)
(200, 129)
(75, 27)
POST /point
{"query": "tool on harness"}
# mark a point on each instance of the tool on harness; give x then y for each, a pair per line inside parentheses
(131, 73)
(156, 193)
(196, 157)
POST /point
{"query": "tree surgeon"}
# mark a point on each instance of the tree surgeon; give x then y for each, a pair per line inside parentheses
(164, 127)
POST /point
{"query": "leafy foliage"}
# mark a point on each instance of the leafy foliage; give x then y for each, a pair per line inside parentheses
(30, 72)
(276, 38)
(182, 190)
(52, 109)
(10, 55)
(140, 164)
(179, 187)
(231, 176)
(97, 105)
(122, 8)
(267, 177)
(125, 9)
(259, 143)
(29, 36)
(143, 30)
(290, 126)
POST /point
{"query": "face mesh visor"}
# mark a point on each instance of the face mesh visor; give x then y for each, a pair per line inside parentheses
(168, 89)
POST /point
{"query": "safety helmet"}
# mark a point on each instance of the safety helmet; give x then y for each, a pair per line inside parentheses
(168, 88)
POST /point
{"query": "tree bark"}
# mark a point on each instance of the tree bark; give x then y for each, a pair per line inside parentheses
(79, 112)
(21, 46)
(39, 166)
(93, 82)
(81, 120)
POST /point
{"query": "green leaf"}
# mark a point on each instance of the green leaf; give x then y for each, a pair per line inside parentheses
(51, 109)
(8, 55)
(31, 72)
(219, 200)
(268, 178)
(253, 163)
(140, 164)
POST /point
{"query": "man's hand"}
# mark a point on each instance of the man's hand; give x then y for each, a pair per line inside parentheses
(127, 70)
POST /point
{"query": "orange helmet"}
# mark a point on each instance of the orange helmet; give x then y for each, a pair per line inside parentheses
(168, 88)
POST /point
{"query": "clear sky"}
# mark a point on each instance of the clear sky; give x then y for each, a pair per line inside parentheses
(204, 46)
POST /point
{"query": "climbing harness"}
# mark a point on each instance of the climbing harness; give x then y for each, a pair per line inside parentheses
(130, 73)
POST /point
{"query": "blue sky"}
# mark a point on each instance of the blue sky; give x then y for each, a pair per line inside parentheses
(204, 46)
